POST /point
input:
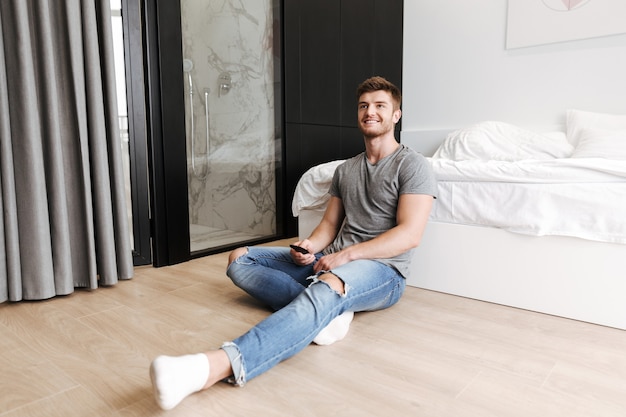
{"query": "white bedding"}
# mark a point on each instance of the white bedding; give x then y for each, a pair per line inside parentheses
(584, 198)
(550, 188)
(312, 188)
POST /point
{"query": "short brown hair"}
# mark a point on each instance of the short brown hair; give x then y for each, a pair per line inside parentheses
(379, 83)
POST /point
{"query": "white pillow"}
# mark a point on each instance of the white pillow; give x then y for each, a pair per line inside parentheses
(579, 119)
(601, 143)
(501, 141)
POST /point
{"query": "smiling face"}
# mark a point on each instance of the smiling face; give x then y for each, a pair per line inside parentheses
(377, 114)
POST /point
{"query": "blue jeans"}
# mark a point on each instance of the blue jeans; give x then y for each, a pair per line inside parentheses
(304, 304)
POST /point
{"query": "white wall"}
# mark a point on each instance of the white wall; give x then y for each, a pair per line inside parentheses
(457, 72)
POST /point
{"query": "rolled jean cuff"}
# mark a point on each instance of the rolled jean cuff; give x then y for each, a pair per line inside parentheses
(236, 363)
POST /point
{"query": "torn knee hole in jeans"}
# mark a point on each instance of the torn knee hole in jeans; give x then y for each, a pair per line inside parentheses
(238, 258)
(346, 287)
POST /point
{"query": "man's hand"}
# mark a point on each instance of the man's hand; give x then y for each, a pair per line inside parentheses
(333, 260)
(303, 258)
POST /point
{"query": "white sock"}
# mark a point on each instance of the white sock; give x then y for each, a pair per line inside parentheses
(336, 330)
(176, 377)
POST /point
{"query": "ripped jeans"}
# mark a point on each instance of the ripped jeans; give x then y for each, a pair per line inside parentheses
(303, 304)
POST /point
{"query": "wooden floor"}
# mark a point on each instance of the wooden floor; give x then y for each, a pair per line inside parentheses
(430, 355)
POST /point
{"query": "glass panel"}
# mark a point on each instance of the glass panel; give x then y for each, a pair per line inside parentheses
(122, 108)
(230, 76)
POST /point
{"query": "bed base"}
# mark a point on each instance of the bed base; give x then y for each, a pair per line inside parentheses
(568, 277)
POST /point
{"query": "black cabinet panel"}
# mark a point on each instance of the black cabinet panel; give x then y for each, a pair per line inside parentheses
(388, 29)
(351, 142)
(319, 144)
(320, 57)
(293, 162)
(292, 76)
(358, 33)
(388, 43)
(293, 172)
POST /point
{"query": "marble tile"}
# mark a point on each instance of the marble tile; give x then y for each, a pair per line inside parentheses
(233, 185)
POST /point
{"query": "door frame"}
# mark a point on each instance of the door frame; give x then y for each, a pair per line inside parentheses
(158, 161)
(135, 97)
(166, 132)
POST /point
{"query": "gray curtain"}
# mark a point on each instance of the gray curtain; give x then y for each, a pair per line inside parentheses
(63, 218)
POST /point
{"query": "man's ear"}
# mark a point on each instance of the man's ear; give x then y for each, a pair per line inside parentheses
(397, 114)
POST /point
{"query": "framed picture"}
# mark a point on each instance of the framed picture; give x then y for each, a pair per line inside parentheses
(537, 22)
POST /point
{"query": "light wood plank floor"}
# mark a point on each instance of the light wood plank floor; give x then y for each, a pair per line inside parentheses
(430, 355)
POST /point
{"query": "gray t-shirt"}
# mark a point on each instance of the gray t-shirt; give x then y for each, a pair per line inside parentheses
(370, 194)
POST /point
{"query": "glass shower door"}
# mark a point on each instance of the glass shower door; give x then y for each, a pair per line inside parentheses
(231, 76)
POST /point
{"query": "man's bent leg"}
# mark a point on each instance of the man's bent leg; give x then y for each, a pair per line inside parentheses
(268, 274)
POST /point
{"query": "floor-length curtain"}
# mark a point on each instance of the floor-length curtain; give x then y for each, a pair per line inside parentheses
(63, 219)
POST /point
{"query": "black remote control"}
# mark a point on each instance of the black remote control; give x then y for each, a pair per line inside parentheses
(299, 249)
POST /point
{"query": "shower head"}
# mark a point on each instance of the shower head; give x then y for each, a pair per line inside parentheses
(187, 65)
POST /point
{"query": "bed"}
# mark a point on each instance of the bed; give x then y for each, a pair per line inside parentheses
(530, 220)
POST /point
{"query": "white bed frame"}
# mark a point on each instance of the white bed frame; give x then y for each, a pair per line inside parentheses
(563, 276)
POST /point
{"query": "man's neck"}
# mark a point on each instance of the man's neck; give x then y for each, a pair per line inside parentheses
(379, 147)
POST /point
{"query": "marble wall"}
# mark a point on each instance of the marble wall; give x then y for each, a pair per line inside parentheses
(233, 186)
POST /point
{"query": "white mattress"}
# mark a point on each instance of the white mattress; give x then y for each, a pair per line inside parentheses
(583, 198)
